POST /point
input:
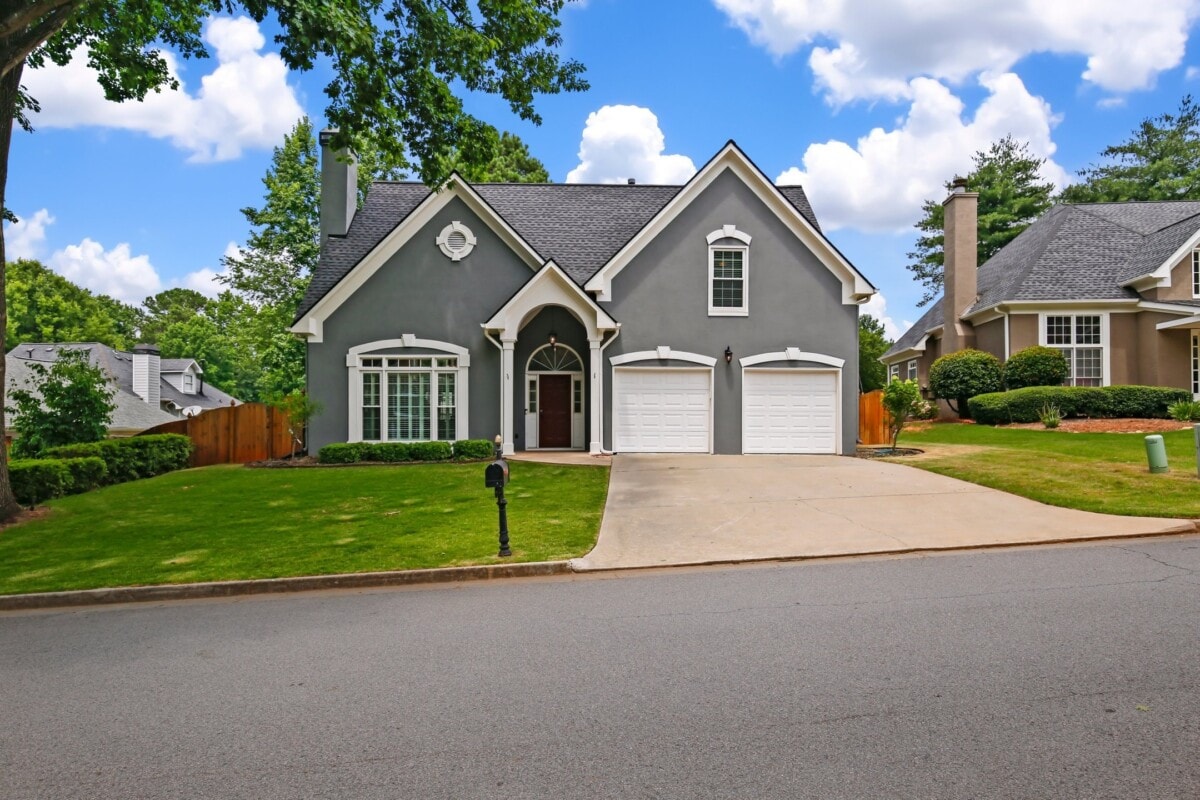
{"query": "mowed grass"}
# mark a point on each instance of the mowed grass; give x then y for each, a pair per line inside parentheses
(228, 523)
(1102, 472)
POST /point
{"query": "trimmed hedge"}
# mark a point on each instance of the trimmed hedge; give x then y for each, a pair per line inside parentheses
(86, 473)
(403, 452)
(470, 449)
(1025, 405)
(36, 480)
(132, 458)
(1035, 366)
(959, 376)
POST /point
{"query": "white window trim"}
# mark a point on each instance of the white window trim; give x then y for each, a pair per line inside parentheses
(893, 372)
(1105, 348)
(1196, 365)
(1195, 276)
(912, 370)
(721, 234)
(533, 390)
(355, 371)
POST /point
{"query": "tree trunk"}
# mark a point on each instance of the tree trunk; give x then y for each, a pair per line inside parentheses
(10, 85)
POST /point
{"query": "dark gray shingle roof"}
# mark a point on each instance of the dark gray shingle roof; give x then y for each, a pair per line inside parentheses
(580, 226)
(1077, 252)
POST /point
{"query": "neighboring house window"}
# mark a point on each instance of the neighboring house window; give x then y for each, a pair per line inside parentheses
(1196, 365)
(189, 383)
(728, 272)
(1196, 274)
(912, 370)
(893, 373)
(410, 399)
(1079, 337)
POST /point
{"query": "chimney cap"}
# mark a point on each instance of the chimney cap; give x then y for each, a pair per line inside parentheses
(324, 136)
(146, 349)
(958, 185)
(631, 181)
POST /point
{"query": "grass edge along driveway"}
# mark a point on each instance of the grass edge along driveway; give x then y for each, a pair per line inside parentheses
(1102, 472)
(236, 523)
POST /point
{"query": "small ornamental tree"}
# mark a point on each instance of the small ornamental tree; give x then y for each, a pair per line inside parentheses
(68, 402)
(1035, 366)
(957, 377)
(900, 399)
(299, 408)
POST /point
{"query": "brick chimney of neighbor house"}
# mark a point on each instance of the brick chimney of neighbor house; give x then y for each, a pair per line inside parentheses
(961, 266)
(146, 372)
(339, 188)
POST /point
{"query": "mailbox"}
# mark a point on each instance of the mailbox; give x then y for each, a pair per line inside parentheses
(496, 474)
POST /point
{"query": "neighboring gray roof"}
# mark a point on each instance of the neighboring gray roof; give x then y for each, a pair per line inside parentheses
(1077, 252)
(579, 226)
(132, 414)
(177, 364)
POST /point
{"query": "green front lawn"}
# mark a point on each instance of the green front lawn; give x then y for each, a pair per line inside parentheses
(228, 523)
(1104, 472)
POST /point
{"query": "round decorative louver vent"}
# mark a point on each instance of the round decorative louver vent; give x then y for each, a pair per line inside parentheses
(456, 241)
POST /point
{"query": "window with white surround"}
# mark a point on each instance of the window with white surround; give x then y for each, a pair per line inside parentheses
(1196, 274)
(912, 370)
(408, 398)
(728, 272)
(893, 373)
(1196, 365)
(189, 383)
(1082, 339)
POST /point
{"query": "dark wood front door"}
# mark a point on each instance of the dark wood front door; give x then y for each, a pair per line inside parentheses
(554, 411)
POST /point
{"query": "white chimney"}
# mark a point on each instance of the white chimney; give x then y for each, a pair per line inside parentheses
(146, 371)
(339, 188)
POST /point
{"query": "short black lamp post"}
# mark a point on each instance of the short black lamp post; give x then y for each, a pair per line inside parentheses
(495, 477)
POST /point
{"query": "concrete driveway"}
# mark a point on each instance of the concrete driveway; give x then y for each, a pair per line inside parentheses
(698, 509)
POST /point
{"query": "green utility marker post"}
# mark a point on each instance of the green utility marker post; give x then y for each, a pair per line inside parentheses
(1156, 453)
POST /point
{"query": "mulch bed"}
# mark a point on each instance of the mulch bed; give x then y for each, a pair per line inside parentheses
(886, 452)
(1110, 425)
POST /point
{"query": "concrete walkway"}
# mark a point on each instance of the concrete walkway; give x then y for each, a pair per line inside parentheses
(675, 509)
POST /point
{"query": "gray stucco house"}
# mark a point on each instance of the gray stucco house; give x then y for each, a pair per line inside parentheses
(712, 317)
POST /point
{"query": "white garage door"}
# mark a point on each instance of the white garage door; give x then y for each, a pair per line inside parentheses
(661, 410)
(789, 411)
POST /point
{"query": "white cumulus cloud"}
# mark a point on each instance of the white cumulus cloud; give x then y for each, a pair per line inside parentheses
(206, 280)
(879, 183)
(25, 237)
(877, 308)
(245, 102)
(116, 272)
(868, 49)
(622, 142)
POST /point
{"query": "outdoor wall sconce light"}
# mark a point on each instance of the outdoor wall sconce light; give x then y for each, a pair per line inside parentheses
(728, 355)
(553, 338)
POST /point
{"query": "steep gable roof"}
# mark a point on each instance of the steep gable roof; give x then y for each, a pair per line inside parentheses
(579, 226)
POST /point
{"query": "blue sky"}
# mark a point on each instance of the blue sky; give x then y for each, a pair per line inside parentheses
(870, 106)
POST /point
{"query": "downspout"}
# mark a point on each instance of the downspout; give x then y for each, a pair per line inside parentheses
(603, 347)
(499, 347)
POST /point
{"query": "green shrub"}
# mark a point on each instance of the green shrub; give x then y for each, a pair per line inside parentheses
(957, 377)
(86, 473)
(38, 480)
(1149, 402)
(1025, 405)
(925, 409)
(133, 458)
(900, 398)
(343, 453)
(1035, 366)
(1185, 411)
(470, 449)
(430, 451)
(1050, 416)
(389, 452)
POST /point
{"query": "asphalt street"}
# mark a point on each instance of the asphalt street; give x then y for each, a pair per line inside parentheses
(1052, 672)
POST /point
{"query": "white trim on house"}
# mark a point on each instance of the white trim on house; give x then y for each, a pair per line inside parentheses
(728, 232)
(1184, 322)
(452, 253)
(1166, 306)
(550, 287)
(1161, 276)
(856, 289)
(1104, 345)
(791, 354)
(311, 325)
(1196, 365)
(662, 353)
(533, 399)
(837, 407)
(908, 352)
(354, 371)
(729, 311)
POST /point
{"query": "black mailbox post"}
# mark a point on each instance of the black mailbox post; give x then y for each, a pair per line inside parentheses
(496, 477)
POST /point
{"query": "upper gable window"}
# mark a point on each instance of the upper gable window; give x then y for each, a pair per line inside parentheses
(456, 241)
(189, 383)
(1196, 274)
(728, 272)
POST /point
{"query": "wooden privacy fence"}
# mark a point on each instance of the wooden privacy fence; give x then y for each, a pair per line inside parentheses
(872, 422)
(234, 434)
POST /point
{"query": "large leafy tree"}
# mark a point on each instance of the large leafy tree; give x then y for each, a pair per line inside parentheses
(511, 163)
(396, 66)
(43, 306)
(1012, 195)
(1159, 161)
(67, 402)
(167, 308)
(872, 343)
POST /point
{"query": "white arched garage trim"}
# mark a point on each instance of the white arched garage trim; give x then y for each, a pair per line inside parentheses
(354, 369)
(657, 409)
(792, 409)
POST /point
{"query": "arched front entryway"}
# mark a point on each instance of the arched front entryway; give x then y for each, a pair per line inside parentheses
(554, 398)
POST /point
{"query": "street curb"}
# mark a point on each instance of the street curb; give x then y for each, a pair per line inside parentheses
(360, 580)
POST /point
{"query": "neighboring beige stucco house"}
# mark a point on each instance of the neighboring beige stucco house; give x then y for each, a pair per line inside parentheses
(1114, 286)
